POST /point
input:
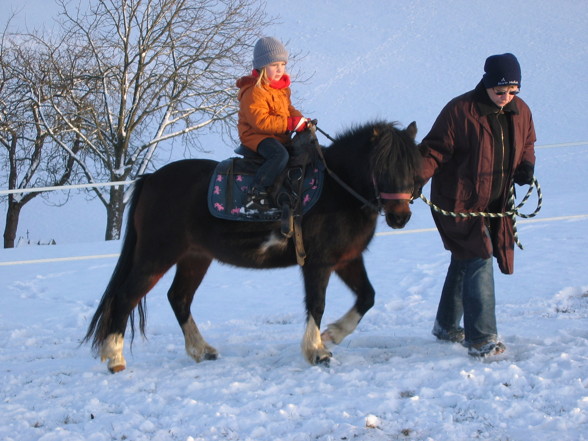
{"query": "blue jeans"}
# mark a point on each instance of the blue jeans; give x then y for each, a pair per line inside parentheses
(468, 291)
(275, 158)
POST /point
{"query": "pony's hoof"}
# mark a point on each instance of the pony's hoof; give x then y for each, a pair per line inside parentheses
(198, 355)
(117, 368)
(324, 361)
(322, 358)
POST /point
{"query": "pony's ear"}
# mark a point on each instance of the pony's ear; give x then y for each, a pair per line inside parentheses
(412, 130)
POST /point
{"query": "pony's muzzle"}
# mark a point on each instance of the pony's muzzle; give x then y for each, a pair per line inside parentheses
(397, 212)
(398, 220)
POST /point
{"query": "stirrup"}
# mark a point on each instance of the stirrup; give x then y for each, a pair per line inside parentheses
(258, 200)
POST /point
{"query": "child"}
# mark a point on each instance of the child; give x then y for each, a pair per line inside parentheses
(267, 117)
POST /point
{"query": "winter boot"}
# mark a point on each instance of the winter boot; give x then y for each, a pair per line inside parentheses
(486, 349)
(453, 335)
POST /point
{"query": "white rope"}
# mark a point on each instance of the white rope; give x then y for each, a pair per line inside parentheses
(110, 184)
(380, 233)
(64, 187)
(565, 144)
(524, 221)
(59, 259)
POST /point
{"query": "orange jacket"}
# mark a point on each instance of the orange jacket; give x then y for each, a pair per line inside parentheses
(264, 111)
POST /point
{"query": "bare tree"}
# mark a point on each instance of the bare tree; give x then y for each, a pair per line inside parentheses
(31, 156)
(137, 73)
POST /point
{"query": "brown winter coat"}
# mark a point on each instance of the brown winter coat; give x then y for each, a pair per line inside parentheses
(263, 112)
(459, 155)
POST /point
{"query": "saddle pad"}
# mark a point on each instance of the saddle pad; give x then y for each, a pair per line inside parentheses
(231, 180)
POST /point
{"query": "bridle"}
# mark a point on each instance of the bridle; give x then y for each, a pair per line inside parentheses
(378, 207)
(385, 196)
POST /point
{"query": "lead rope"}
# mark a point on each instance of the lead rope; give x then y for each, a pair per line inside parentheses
(513, 211)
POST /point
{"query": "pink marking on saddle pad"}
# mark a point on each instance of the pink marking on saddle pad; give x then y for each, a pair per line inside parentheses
(235, 211)
(216, 189)
(239, 178)
(219, 207)
(306, 200)
(219, 178)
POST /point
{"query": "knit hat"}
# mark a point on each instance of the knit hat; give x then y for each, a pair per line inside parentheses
(268, 50)
(502, 70)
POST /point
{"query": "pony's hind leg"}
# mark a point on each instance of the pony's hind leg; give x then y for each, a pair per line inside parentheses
(114, 311)
(189, 274)
(354, 275)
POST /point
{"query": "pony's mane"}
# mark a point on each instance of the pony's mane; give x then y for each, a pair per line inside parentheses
(390, 145)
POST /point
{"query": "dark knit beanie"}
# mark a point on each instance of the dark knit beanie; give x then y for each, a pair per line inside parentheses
(268, 50)
(502, 70)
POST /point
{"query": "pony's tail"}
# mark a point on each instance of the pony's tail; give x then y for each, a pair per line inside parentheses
(100, 326)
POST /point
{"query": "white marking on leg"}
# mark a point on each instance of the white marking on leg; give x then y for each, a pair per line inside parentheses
(112, 350)
(312, 346)
(196, 346)
(273, 241)
(340, 329)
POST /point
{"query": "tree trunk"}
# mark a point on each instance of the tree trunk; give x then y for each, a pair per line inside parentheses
(12, 216)
(114, 213)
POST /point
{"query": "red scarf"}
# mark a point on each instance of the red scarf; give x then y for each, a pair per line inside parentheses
(282, 83)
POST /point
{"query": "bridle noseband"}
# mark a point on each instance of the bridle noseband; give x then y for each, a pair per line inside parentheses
(385, 196)
(396, 196)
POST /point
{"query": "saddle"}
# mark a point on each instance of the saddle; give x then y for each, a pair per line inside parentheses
(295, 192)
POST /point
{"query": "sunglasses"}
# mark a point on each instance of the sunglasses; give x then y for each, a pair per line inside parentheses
(504, 92)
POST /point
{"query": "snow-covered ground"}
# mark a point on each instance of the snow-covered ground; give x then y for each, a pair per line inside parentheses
(390, 380)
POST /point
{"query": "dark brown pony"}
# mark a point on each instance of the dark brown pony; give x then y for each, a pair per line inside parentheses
(371, 169)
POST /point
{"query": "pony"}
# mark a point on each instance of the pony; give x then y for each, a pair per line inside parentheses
(370, 169)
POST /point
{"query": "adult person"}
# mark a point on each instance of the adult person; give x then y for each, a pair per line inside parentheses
(480, 143)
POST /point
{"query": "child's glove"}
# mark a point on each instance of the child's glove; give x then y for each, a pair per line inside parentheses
(296, 123)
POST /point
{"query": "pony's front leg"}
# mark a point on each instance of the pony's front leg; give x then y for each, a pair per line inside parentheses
(354, 275)
(313, 347)
(337, 331)
(112, 350)
(315, 282)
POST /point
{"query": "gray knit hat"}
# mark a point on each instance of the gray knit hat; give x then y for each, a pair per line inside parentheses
(268, 50)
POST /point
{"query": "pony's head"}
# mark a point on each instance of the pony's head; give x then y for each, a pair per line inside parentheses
(395, 163)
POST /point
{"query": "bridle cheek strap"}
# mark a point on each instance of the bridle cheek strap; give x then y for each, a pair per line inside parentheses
(396, 196)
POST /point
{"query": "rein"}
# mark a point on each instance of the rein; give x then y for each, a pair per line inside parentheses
(338, 179)
(513, 212)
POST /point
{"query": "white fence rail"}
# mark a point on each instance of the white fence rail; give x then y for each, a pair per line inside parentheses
(383, 233)
(64, 187)
(111, 184)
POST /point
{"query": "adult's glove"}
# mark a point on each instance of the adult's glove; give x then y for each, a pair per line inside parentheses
(296, 123)
(524, 173)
